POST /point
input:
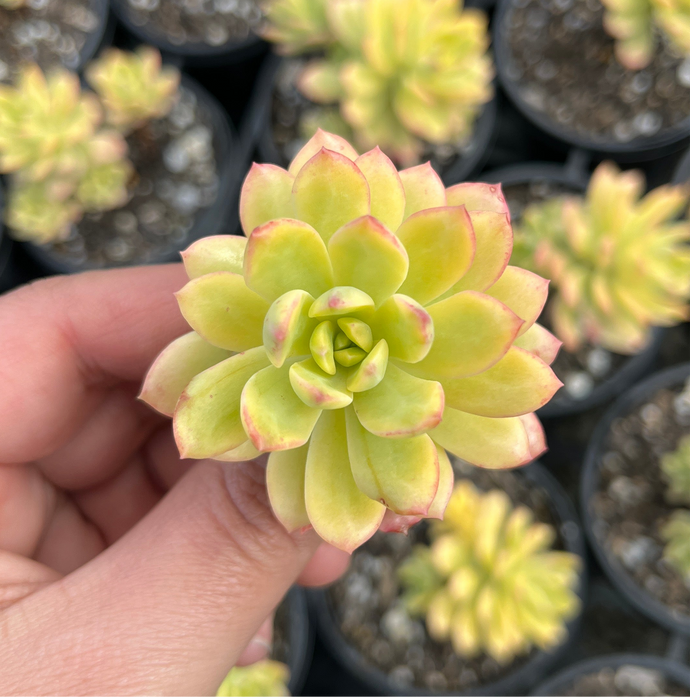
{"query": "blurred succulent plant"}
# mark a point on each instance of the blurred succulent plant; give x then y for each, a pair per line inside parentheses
(134, 87)
(11, 4)
(676, 533)
(490, 581)
(378, 324)
(404, 72)
(634, 25)
(262, 679)
(620, 264)
(675, 466)
(297, 25)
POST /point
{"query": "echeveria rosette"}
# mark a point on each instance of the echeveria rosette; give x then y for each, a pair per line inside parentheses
(376, 324)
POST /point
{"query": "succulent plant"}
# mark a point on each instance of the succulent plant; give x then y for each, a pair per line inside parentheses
(297, 25)
(11, 4)
(675, 466)
(404, 72)
(133, 87)
(490, 580)
(619, 264)
(676, 533)
(376, 323)
(262, 679)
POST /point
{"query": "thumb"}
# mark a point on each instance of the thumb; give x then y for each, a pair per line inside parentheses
(168, 608)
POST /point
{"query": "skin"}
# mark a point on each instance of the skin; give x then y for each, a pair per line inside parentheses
(123, 569)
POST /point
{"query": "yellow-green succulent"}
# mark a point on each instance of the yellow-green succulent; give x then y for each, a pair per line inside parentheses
(676, 533)
(11, 4)
(404, 72)
(262, 679)
(490, 580)
(133, 87)
(618, 261)
(675, 466)
(297, 26)
(368, 322)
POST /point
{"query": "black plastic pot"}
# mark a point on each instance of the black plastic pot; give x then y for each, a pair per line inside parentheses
(637, 150)
(5, 250)
(589, 485)
(300, 639)
(260, 128)
(95, 39)
(682, 173)
(564, 680)
(190, 54)
(574, 175)
(217, 219)
(532, 671)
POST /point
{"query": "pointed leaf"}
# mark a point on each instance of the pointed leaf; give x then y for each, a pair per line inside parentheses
(371, 370)
(288, 327)
(330, 191)
(478, 196)
(523, 292)
(401, 473)
(321, 139)
(440, 245)
(339, 512)
(400, 406)
(481, 441)
(318, 389)
(385, 185)
(349, 356)
(367, 256)
(215, 253)
(473, 332)
(341, 341)
(286, 255)
(241, 453)
(446, 479)
(535, 435)
(207, 418)
(518, 384)
(273, 416)
(392, 522)
(321, 346)
(406, 326)
(221, 308)
(540, 342)
(357, 332)
(423, 189)
(266, 195)
(341, 300)
(285, 476)
(176, 365)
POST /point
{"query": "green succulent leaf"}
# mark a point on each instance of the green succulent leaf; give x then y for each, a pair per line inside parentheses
(317, 388)
(321, 140)
(478, 196)
(369, 373)
(341, 300)
(266, 195)
(423, 189)
(285, 479)
(385, 185)
(288, 327)
(216, 253)
(540, 342)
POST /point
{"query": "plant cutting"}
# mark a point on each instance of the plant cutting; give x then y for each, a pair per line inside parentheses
(378, 325)
(261, 678)
(416, 98)
(125, 175)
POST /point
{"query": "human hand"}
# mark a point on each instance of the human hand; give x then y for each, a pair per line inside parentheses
(123, 569)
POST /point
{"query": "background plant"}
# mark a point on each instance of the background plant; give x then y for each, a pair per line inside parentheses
(268, 678)
(676, 533)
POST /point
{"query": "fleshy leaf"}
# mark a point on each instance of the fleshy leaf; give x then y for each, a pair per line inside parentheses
(446, 479)
(366, 255)
(284, 255)
(392, 522)
(523, 292)
(330, 191)
(241, 453)
(473, 332)
(319, 82)
(406, 326)
(321, 346)
(481, 441)
(349, 356)
(478, 196)
(288, 327)
(440, 245)
(387, 192)
(339, 512)
(215, 253)
(535, 435)
(341, 341)
(357, 332)
(273, 416)
(341, 300)
(321, 139)
(285, 474)
(176, 365)
(266, 195)
(540, 342)
(423, 189)
(401, 473)
(400, 406)
(207, 418)
(371, 370)
(518, 384)
(317, 388)
(221, 308)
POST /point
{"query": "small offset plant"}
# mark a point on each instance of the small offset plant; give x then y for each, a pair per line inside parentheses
(675, 466)
(376, 323)
(619, 261)
(490, 580)
(635, 25)
(262, 679)
(403, 72)
(676, 533)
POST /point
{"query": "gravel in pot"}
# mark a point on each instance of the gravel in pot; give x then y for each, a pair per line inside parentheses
(188, 170)
(558, 65)
(365, 626)
(293, 638)
(279, 113)
(624, 494)
(620, 674)
(50, 33)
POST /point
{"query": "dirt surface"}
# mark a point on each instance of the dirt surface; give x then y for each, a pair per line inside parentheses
(628, 680)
